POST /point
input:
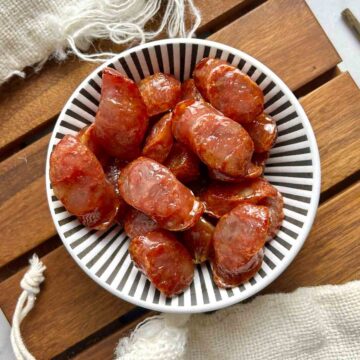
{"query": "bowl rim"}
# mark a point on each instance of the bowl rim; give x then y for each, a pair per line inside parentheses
(315, 194)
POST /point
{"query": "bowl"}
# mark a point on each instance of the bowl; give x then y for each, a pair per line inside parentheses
(293, 168)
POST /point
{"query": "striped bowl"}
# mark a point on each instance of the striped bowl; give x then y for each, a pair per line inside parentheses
(293, 167)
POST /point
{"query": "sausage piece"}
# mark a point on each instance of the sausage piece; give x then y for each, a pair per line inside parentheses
(229, 90)
(198, 240)
(220, 198)
(254, 171)
(160, 92)
(164, 260)
(137, 223)
(190, 91)
(202, 71)
(153, 189)
(160, 140)
(121, 120)
(87, 137)
(183, 163)
(221, 143)
(238, 238)
(79, 182)
(263, 132)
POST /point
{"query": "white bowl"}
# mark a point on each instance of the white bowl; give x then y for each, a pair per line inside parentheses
(293, 167)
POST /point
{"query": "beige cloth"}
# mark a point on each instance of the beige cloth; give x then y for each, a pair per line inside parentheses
(319, 323)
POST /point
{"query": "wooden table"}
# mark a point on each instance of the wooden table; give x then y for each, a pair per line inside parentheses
(86, 323)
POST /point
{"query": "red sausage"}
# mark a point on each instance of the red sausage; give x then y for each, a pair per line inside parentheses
(152, 189)
(87, 137)
(221, 143)
(220, 198)
(121, 120)
(263, 132)
(160, 140)
(190, 91)
(184, 164)
(137, 223)
(79, 181)
(229, 90)
(198, 240)
(164, 260)
(202, 71)
(254, 171)
(160, 92)
(238, 238)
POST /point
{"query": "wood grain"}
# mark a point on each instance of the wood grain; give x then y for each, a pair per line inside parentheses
(334, 112)
(25, 219)
(285, 36)
(331, 253)
(28, 104)
(70, 308)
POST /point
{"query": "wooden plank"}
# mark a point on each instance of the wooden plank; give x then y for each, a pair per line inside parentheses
(327, 116)
(285, 36)
(28, 104)
(334, 112)
(328, 257)
(331, 253)
(70, 307)
(25, 220)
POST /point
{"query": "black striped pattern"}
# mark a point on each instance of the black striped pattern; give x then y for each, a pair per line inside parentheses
(289, 168)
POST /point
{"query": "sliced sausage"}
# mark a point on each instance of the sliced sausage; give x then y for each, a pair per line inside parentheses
(153, 189)
(160, 92)
(198, 240)
(79, 182)
(229, 90)
(121, 120)
(190, 91)
(221, 143)
(137, 223)
(183, 163)
(238, 238)
(160, 140)
(202, 71)
(164, 260)
(220, 198)
(263, 132)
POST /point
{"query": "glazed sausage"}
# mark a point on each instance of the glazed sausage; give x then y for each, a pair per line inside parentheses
(121, 120)
(160, 140)
(254, 171)
(160, 92)
(238, 238)
(183, 163)
(164, 260)
(87, 137)
(221, 143)
(202, 71)
(229, 90)
(152, 189)
(198, 240)
(190, 91)
(220, 198)
(259, 159)
(263, 132)
(137, 223)
(79, 182)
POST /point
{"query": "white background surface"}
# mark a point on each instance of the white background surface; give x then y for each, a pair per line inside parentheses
(6, 352)
(328, 13)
